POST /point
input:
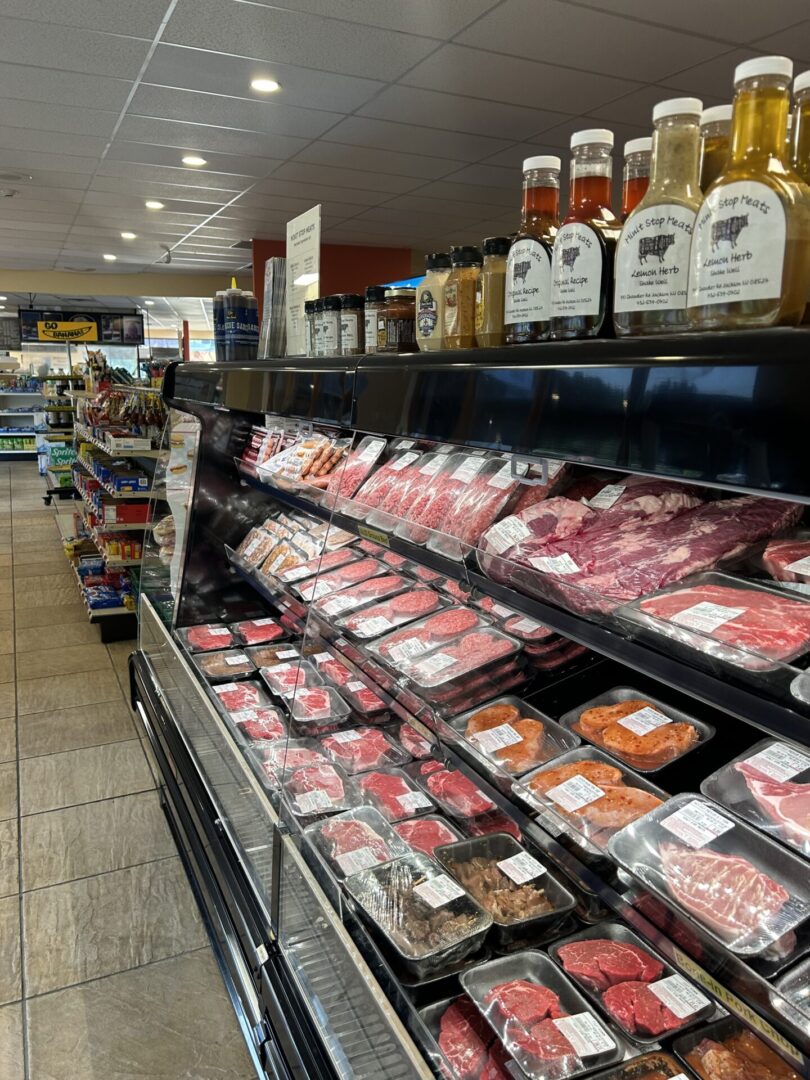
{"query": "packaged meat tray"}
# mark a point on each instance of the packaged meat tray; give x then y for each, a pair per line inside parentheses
(472, 651)
(444, 627)
(361, 595)
(639, 730)
(453, 790)
(382, 484)
(495, 821)
(283, 679)
(637, 989)
(787, 558)
(256, 546)
(516, 623)
(768, 785)
(427, 833)
(514, 735)
(523, 898)
(232, 696)
(655, 1065)
(491, 488)
(415, 744)
(317, 709)
(437, 504)
(467, 1042)
(413, 482)
(421, 913)
(748, 892)
(590, 794)
(364, 701)
(276, 759)
(356, 840)
(225, 666)
(322, 564)
(725, 1050)
(795, 986)
(407, 606)
(543, 1021)
(312, 790)
(257, 631)
(394, 794)
(344, 577)
(347, 478)
(263, 724)
(266, 656)
(208, 637)
(363, 748)
(331, 669)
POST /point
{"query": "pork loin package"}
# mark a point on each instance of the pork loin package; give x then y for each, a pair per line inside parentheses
(356, 840)
(363, 748)
(744, 889)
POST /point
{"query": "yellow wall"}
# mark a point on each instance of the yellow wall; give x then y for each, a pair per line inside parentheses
(61, 282)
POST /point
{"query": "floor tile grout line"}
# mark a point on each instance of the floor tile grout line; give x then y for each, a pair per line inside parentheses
(100, 873)
(87, 802)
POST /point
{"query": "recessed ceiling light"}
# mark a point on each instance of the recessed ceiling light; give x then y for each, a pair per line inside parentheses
(3, 298)
(2, 307)
(194, 159)
(153, 204)
(149, 303)
(110, 258)
(265, 86)
(128, 236)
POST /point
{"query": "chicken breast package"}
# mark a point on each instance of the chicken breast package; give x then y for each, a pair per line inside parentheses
(513, 735)
(356, 840)
(361, 749)
(543, 1021)
(768, 785)
(744, 889)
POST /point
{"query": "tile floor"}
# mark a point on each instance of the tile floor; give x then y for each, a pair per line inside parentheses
(105, 970)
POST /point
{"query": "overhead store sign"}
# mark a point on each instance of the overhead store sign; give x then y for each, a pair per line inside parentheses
(80, 326)
(303, 274)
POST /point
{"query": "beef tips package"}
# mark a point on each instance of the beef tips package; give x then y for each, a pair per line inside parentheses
(225, 666)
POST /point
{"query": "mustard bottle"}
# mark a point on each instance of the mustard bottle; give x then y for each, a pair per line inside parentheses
(430, 302)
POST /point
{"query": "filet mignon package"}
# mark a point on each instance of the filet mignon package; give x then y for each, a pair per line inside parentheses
(356, 840)
(207, 637)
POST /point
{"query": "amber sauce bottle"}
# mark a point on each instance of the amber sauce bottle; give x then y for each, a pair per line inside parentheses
(582, 262)
(800, 142)
(751, 248)
(635, 174)
(528, 270)
(715, 140)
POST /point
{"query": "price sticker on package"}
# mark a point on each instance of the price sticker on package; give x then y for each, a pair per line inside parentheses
(586, 1034)
(345, 736)
(338, 604)
(506, 534)
(316, 590)
(604, 499)
(780, 761)
(439, 891)
(352, 862)
(403, 462)
(679, 996)
(378, 624)
(296, 573)
(322, 657)
(643, 721)
(707, 617)
(407, 650)
(521, 868)
(497, 738)
(219, 631)
(312, 802)
(575, 793)
(467, 469)
(286, 654)
(696, 824)
(233, 661)
(264, 622)
(555, 564)
(527, 626)
(413, 800)
(801, 566)
(432, 665)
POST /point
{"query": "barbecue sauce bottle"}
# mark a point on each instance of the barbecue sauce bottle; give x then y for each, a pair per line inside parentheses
(582, 262)
(635, 174)
(652, 255)
(750, 261)
(528, 268)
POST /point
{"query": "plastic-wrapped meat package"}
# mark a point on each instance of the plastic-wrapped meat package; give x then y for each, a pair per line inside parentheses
(244, 695)
(332, 669)
(231, 664)
(415, 744)
(738, 1054)
(330, 560)
(419, 637)
(257, 631)
(455, 793)
(380, 618)
(382, 483)
(319, 709)
(279, 758)
(363, 748)
(788, 558)
(350, 574)
(346, 479)
(364, 592)
(494, 822)
(364, 701)
(260, 724)
(256, 546)
(285, 678)
(534, 526)
(273, 655)
(319, 789)
(486, 496)
(415, 480)
(559, 474)
(425, 834)
(566, 653)
(356, 840)
(394, 794)
(422, 573)
(394, 560)
(209, 637)
(464, 1039)
(437, 503)
(471, 652)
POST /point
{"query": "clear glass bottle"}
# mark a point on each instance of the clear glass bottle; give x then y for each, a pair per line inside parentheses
(375, 301)
(395, 321)
(635, 174)
(351, 324)
(750, 260)
(527, 301)
(459, 297)
(582, 263)
(652, 255)
(715, 139)
(489, 293)
(430, 302)
(800, 135)
(309, 336)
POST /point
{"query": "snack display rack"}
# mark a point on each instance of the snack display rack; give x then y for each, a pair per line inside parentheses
(318, 990)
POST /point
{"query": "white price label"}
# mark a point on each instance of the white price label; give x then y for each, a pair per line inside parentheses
(378, 624)
(604, 499)
(355, 687)
(439, 891)
(322, 657)
(555, 564)
(503, 478)
(371, 451)
(527, 626)
(707, 617)
(352, 862)
(311, 802)
(339, 603)
(227, 688)
(794, 586)
(553, 466)
(401, 463)
(679, 996)
(297, 573)
(521, 868)
(252, 546)
(696, 824)
(780, 762)
(497, 738)
(502, 611)
(467, 469)
(264, 622)
(233, 661)
(506, 534)
(801, 566)
(316, 590)
(430, 468)
(286, 654)
(575, 793)
(444, 450)
(413, 800)
(218, 631)
(586, 1034)
(643, 721)
(432, 665)
(407, 650)
(345, 736)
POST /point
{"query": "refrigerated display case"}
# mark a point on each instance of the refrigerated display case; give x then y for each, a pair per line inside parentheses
(394, 612)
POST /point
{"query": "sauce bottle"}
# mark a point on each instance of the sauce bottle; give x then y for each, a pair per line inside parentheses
(489, 294)
(750, 260)
(430, 302)
(635, 174)
(527, 300)
(582, 262)
(715, 137)
(800, 146)
(459, 297)
(652, 255)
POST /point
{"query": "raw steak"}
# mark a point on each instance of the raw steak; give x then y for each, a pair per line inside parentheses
(335, 672)
(536, 525)
(464, 1038)
(413, 742)
(362, 698)
(385, 790)
(316, 778)
(780, 554)
(369, 751)
(208, 638)
(724, 892)
(258, 631)
(545, 1043)
(346, 836)
(495, 822)
(462, 797)
(600, 963)
(415, 603)
(294, 757)
(523, 1001)
(786, 803)
(638, 1010)
(235, 696)
(495, 1068)
(425, 834)
(312, 703)
(260, 724)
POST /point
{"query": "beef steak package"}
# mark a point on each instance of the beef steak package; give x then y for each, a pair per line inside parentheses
(363, 748)
(207, 637)
(257, 631)
(275, 759)
(225, 666)
(456, 794)
(394, 794)
(356, 840)
(427, 833)
(233, 696)
(319, 789)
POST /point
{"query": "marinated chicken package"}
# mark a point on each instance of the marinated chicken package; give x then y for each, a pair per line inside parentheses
(590, 794)
(427, 833)
(726, 1050)
(207, 637)
(342, 578)
(382, 483)
(260, 724)
(312, 790)
(423, 915)
(744, 889)
(360, 749)
(378, 619)
(513, 735)
(768, 785)
(356, 597)
(257, 631)
(443, 627)
(225, 666)
(285, 678)
(394, 794)
(276, 759)
(346, 479)
(356, 840)
(543, 1021)
(233, 696)
(455, 793)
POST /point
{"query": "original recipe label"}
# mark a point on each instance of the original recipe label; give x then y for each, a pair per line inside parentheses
(576, 272)
(528, 283)
(739, 246)
(652, 260)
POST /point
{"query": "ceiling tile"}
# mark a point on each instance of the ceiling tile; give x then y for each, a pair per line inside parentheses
(221, 165)
(316, 193)
(712, 79)
(384, 161)
(491, 176)
(357, 180)
(51, 142)
(637, 107)
(483, 196)
(794, 42)
(382, 134)
(141, 19)
(171, 194)
(82, 91)
(207, 138)
(39, 116)
(415, 17)
(203, 179)
(62, 49)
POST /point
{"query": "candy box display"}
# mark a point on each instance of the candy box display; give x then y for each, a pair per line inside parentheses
(362, 748)
(394, 794)
(319, 789)
(514, 735)
(356, 840)
(208, 637)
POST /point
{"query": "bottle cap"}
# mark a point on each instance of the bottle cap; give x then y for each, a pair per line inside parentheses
(309, 306)
(638, 146)
(542, 161)
(496, 245)
(350, 301)
(465, 255)
(437, 260)
(375, 294)
(763, 65)
(317, 304)
(601, 136)
(677, 106)
(717, 114)
(801, 82)
(331, 303)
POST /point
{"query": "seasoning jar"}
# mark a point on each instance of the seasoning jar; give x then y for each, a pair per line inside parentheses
(800, 134)
(635, 174)
(715, 132)
(459, 297)
(351, 324)
(330, 326)
(317, 327)
(527, 304)
(489, 293)
(430, 302)
(375, 300)
(395, 321)
(309, 329)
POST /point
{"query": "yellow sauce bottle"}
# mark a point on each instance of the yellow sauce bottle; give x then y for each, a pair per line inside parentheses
(715, 139)
(801, 126)
(489, 294)
(751, 247)
(459, 297)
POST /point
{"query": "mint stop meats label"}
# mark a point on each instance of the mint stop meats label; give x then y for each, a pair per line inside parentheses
(738, 250)
(528, 283)
(652, 259)
(576, 272)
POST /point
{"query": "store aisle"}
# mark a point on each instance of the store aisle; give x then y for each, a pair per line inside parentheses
(105, 970)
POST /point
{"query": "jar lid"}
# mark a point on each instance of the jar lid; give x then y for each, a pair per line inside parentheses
(350, 301)
(600, 136)
(801, 82)
(331, 303)
(375, 293)
(318, 304)
(717, 114)
(437, 260)
(763, 65)
(466, 255)
(496, 245)
(542, 161)
(309, 306)
(402, 292)
(638, 146)
(678, 106)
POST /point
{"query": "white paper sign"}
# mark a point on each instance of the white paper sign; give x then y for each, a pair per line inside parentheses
(506, 534)
(555, 564)
(643, 721)
(707, 617)
(497, 738)
(351, 862)
(521, 868)
(233, 661)
(303, 271)
(780, 762)
(586, 1034)
(439, 891)
(413, 800)
(311, 802)
(679, 996)
(286, 654)
(696, 824)
(575, 793)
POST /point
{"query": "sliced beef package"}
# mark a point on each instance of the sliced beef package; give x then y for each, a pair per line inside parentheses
(394, 794)
(356, 840)
(208, 637)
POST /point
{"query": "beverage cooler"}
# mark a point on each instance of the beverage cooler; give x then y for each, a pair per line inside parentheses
(476, 689)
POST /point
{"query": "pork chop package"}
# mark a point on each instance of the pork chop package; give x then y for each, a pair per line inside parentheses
(381, 618)
(361, 749)
(342, 578)
(543, 1021)
(225, 666)
(438, 501)
(412, 482)
(744, 889)
(383, 483)
(514, 736)
(768, 785)
(349, 475)
(641, 993)
(455, 793)
(207, 637)
(491, 488)
(276, 759)
(257, 631)
(353, 597)
(233, 696)
(442, 628)
(312, 790)
(356, 840)
(394, 794)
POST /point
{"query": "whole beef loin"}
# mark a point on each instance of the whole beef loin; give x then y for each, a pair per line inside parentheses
(638, 1010)
(600, 963)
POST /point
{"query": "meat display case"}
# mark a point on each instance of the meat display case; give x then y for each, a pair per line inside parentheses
(318, 990)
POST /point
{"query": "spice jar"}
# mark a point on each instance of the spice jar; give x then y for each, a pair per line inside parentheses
(635, 174)
(375, 301)
(395, 321)
(430, 302)
(317, 327)
(489, 293)
(715, 133)
(351, 324)
(800, 131)
(330, 326)
(309, 331)
(459, 297)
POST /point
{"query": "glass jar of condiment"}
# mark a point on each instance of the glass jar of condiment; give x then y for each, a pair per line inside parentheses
(459, 297)
(317, 327)
(330, 326)
(489, 293)
(351, 324)
(309, 330)
(527, 303)
(375, 300)
(430, 302)
(635, 174)
(715, 132)
(800, 134)
(395, 321)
